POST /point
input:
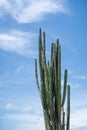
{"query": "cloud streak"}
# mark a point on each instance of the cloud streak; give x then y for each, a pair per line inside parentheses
(19, 69)
(17, 41)
(9, 106)
(79, 118)
(27, 121)
(82, 77)
(24, 11)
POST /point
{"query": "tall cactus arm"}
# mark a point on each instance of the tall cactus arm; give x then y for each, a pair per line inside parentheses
(63, 120)
(44, 42)
(68, 109)
(64, 89)
(36, 75)
(59, 84)
(40, 48)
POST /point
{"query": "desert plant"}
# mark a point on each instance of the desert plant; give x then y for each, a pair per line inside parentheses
(50, 87)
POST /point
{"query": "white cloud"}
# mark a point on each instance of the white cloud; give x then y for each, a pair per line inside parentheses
(17, 41)
(79, 118)
(70, 71)
(4, 7)
(74, 84)
(26, 121)
(74, 50)
(19, 69)
(9, 106)
(83, 77)
(25, 11)
(26, 108)
(26, 117)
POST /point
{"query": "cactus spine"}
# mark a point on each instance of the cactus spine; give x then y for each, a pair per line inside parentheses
(50, 86)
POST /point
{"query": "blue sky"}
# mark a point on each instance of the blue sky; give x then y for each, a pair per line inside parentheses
(20, 106)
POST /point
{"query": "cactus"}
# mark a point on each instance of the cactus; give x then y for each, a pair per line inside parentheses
(49, 87)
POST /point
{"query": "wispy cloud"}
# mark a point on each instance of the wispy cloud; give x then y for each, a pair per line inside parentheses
(74, 50)
(19, 69)
(70, 71)
(79, 118)
(83, 77)
(4, 7)
(9, 106)
(24, 11)
(74, 84)
(27, 121)
(17, 41)
(26, 108)
(23, 109)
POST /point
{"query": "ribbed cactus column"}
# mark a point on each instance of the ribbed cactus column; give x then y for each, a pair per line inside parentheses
(49, 87)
